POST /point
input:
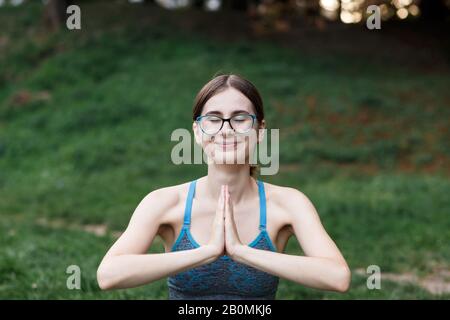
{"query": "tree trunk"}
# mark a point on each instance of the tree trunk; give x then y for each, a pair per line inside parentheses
(55, 13)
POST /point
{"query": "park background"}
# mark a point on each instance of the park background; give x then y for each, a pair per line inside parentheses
(86, 117)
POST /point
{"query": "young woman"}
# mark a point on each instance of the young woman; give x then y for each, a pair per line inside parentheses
(225, 233)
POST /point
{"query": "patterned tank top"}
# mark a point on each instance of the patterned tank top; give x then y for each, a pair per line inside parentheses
(224, 278)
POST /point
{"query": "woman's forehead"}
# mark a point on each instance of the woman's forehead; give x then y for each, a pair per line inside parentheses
(228, 101)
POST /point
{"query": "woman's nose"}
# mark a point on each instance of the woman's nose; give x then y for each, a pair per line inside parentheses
(227, 127)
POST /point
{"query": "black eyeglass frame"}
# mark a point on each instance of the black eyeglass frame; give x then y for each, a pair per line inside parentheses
(199, 118)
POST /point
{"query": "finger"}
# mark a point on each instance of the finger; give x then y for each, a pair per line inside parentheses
(228, 216)
(222, 207)
(221, 198)
(226, 200)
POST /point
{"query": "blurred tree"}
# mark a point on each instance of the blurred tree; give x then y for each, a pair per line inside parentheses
(55, 13)
(434, 9)
(275, 14)
(241, 5)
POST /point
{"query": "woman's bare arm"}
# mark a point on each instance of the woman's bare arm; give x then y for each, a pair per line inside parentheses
(323, 267)
(127, 264)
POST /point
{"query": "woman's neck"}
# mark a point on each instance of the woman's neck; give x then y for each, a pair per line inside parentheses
(237, 177)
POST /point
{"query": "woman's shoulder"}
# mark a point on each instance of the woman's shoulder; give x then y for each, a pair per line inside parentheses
(169, 195)
(286, 197)
(158, 206)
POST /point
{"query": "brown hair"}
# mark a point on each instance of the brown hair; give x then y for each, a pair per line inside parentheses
(219, 84)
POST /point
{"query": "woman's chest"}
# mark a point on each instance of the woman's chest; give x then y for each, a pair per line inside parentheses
(247, 219)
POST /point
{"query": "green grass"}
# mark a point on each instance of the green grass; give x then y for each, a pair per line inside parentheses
(85, 124)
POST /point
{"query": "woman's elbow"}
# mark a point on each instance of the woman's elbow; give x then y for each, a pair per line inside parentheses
(104, 278)
(342, 284)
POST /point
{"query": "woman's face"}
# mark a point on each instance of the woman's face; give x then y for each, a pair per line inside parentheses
(228, 146)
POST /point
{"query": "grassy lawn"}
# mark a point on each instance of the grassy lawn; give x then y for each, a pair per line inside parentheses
(85, 124)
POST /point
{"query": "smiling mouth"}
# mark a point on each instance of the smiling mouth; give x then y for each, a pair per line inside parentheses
(227, 145)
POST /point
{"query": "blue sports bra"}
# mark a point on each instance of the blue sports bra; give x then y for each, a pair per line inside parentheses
(224, 278)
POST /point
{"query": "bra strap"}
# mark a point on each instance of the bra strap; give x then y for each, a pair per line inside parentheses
(262, 205)
(188, 208)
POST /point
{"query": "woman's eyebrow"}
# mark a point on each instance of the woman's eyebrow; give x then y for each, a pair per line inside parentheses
(220, 113)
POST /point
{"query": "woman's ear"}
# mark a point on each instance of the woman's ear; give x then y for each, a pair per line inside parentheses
(261, 130)
(197, 133)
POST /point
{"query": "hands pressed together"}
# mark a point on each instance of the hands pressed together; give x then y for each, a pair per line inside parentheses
(224, 236)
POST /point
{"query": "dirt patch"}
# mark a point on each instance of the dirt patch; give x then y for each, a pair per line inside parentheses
(437, 282)
(99, 230)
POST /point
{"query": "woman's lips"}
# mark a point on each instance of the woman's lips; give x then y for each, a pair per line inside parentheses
(227, 144)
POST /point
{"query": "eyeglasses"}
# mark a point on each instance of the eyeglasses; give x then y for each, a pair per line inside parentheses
(240, 123)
